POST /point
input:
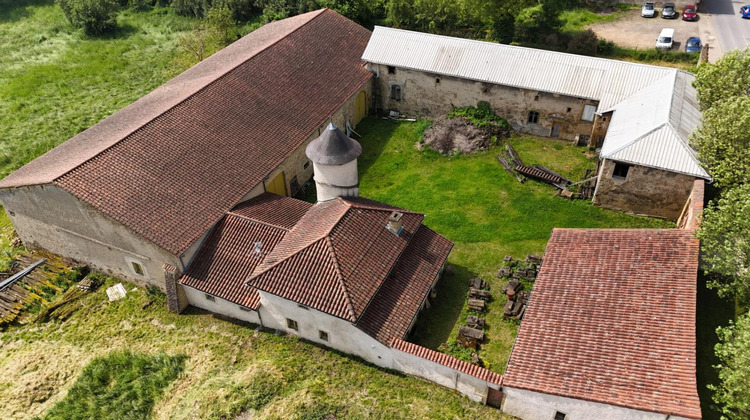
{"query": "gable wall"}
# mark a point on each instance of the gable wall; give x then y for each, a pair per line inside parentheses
(423, 96)
(647, 191)
(530, 405)
(49, 217)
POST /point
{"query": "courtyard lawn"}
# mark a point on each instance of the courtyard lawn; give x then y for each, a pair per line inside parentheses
(485, 211)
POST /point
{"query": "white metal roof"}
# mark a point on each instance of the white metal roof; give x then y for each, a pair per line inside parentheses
(655, 107)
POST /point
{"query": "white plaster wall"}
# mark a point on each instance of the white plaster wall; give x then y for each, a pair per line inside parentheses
(473, 388)
(51, 218)
(220, 306)
(530, 405)
(342, 335)
(342, 175)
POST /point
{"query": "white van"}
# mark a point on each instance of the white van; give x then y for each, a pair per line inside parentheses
(666, 39)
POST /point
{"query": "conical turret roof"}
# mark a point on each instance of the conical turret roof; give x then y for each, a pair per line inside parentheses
(333, 147)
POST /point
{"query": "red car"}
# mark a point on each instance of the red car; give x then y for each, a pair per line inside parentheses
(689, 12)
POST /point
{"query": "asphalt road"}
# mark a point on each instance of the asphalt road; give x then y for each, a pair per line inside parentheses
(732, 31)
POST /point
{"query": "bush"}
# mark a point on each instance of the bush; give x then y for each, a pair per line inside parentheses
(605, 47)
(94, 16)
(584, 43)
(197, 8)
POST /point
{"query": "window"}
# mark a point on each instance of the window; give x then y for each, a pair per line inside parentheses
(303, 307)
(533, 117)
(396, 93)
(559, 415)
(569, 109)
(621, 171)
(137, 268)
(292, 324)
(209, 297)
(588, 113)
(437, 80)
(391, 70)
(307, 164)
(536, 97)
(244, 309)
(323, 335)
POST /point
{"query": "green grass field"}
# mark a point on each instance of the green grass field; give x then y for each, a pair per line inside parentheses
(485, 211)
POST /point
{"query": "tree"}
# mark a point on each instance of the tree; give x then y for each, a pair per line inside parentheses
(584, 43)
(725, 242)
(94, 16)
(723, 141)
(729, 77)
(213, 33)
(733, 351)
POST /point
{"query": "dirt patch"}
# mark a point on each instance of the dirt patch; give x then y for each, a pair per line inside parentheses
(634, 31)
(458, 135)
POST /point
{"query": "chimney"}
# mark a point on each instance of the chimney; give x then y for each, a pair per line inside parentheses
(394, 223)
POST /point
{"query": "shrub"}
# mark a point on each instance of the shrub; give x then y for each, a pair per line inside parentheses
(94, 16)
(197, 8)
(584, 43)
(605, 47)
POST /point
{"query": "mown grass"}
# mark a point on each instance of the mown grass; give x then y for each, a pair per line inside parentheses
(55, 81)
(229, 368)
(484, 210)
(120, 385)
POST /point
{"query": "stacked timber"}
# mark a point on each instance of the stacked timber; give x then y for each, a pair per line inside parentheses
(476, 305)
(479, 294)
(475, 322)
(469, 337)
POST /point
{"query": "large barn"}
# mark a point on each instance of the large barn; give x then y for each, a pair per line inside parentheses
(639, 116)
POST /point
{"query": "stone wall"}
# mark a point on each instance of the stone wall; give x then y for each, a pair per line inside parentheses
(431, 95)
(691, 214)
(50, 218)
(645, 191)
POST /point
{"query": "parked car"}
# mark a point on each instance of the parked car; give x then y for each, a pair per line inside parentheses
(689, 12)
(693, 45)
(648, 9)
(745, 11)
(666, 39)
(668, 11)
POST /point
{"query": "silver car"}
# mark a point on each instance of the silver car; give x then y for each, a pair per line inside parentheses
(648, 10)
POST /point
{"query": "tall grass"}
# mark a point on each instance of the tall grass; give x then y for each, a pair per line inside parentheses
(121, 385)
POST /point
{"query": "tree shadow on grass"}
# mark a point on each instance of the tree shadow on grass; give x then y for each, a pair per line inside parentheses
(712, 312)
(376, 134)
(15, 10)
(120, 31)
(435, 324)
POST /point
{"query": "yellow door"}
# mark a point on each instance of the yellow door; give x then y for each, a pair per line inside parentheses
(277, 185)
(360, 107)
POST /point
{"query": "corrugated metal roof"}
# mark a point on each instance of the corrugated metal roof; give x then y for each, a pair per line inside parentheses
(608, 81)
(655, 107)
(652, 127)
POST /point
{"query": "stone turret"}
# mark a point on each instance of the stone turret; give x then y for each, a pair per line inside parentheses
(334, 156)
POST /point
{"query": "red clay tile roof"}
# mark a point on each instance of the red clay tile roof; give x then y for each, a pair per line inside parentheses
(612, 320)
(397, 302)
(228, 256)
(170, 165)
(336, 257)
(446, 360)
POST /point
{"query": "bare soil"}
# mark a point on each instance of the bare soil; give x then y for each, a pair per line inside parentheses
(458, 135)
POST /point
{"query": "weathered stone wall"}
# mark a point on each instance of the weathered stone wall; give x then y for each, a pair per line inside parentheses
(530, 405)
(50, 218)
(691, 214)
(432, 96)
(646, 191)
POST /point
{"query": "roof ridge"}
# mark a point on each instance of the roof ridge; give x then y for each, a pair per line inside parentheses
(354, 204)
(185, 99)
(250, 219)
(347, 297)
(277, 263)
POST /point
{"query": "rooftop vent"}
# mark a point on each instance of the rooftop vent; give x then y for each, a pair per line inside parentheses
(394, 223)
(258, 248)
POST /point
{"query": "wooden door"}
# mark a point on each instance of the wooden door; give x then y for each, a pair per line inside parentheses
(360, 107)
(494, 397)
(556, 127)
(277, 185)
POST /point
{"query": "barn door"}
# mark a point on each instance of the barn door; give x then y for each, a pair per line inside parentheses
(360, 107)
(277, 185)
(556, 127)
